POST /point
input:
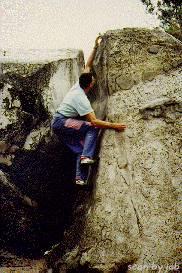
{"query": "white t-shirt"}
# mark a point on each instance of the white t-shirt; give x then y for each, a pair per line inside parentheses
(75, 103)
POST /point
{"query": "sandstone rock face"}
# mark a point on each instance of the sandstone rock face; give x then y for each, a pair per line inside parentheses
(132, 216)
(36, 169)
(32, 84)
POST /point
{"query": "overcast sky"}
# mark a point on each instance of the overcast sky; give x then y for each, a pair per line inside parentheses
(66, 23)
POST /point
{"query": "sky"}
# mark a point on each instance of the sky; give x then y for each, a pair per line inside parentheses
(66, 23)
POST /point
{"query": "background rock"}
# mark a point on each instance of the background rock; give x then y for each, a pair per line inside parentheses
(36, 186)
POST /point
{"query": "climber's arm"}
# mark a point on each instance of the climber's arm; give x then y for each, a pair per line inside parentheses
(104, 124)
(91, 57)
(90, 60)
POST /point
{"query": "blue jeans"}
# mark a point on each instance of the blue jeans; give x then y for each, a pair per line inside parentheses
(80, 136)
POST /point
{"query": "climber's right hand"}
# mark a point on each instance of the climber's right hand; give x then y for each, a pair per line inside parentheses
(119, 127)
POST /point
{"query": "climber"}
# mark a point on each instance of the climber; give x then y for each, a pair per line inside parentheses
(75, 121)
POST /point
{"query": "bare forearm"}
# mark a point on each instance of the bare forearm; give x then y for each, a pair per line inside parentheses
(92, 54)
(103, 124)
(91, 58)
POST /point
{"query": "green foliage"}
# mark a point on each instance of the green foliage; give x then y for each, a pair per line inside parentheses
(170, 14)
(149, 5)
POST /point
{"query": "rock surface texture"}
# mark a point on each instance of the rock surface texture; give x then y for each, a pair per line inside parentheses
(32, 84)
(131, 218)
(129, 222)
(36, 169)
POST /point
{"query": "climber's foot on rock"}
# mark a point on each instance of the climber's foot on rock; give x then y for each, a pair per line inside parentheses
(86, 160)
(80, 182)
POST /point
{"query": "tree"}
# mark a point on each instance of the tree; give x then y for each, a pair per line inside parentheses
(170, 14)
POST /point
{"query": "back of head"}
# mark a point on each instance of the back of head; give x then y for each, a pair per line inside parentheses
(85, 80)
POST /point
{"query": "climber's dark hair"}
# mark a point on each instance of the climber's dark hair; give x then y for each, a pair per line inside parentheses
(85, 79)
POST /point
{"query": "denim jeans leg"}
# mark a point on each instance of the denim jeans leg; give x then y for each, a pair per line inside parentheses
(72, 136)
(81, 171)
(90, 142)
(78, 170)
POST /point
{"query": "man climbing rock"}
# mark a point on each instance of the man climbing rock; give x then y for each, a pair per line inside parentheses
(76, 123)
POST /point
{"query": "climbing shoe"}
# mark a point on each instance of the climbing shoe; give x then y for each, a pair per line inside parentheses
(86, 160)
(80, 182)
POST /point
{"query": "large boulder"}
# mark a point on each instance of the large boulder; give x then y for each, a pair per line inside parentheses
(36, 169)
(33, 84)
(131, 219)
(33, 175)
